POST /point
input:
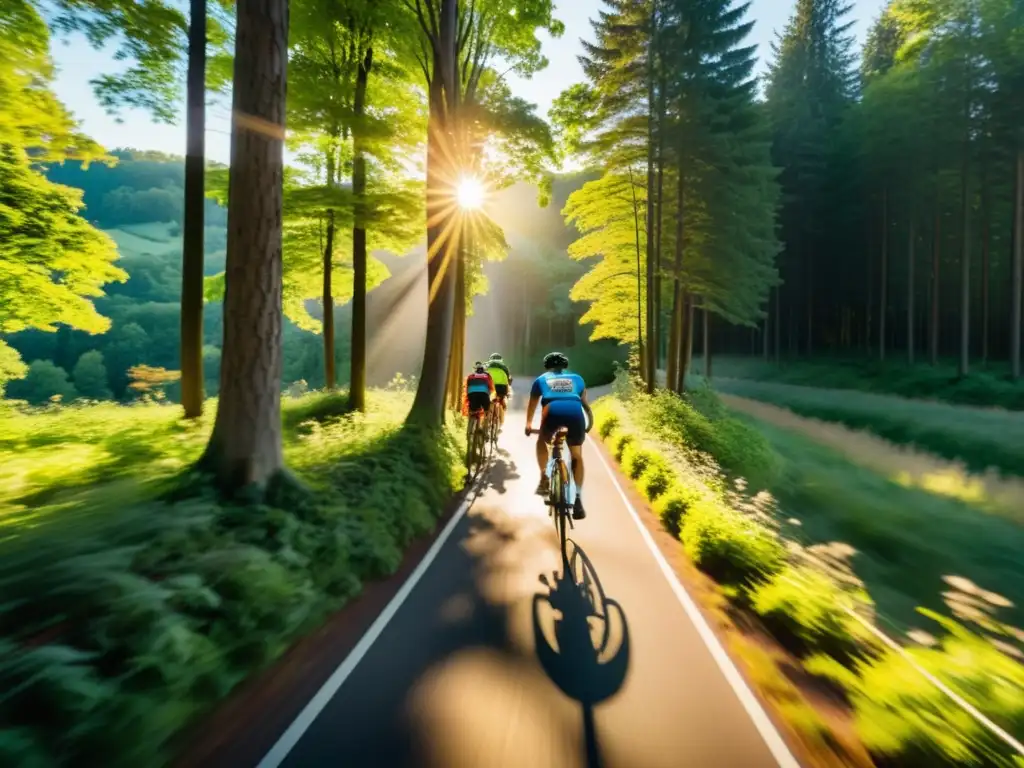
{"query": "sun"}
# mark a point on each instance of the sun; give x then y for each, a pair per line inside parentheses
(470, 193)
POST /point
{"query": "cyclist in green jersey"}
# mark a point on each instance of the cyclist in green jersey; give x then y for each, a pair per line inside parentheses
(502, 380)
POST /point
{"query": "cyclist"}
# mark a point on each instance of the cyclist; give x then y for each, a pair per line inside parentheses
(502, 381)
(478, 391)
(563, 399)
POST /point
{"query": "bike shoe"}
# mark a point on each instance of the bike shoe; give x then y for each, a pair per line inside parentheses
(578, 512)
(543, 487)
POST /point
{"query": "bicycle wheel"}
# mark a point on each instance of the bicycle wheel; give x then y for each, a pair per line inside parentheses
(481, 445)
(584, 576)
(559, 483)
(471, 430)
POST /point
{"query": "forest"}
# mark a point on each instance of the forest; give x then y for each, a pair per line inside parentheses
(231, 394)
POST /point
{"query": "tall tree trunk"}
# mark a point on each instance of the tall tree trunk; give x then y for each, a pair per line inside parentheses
(933, 329)
(884, 280)
(456, 364)
(764, 331)
(193, 229)
(659, 221)
(1017, 283)
(910, 291)
(965, 266)
(985, 247)
(651, 341)
(357, 369)
(778, 324)
(428, 405)
(869, 306)
(672, 382)
(330, 375)
(707, 343)
(687, 356)
(245, 447)
(639, 278)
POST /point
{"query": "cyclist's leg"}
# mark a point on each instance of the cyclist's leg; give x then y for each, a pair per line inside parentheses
(544, 435)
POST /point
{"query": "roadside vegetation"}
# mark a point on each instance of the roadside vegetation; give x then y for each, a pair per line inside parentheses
(135, 600)
(989, 387)
(817, 551)
(979, 438)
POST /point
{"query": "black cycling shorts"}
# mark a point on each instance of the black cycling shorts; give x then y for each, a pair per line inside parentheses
(479, 401)
(564, 413)
(501, 390)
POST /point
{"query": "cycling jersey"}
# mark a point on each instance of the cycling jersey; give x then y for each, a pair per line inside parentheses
(551, 386)
(479, 382)
(499, 372)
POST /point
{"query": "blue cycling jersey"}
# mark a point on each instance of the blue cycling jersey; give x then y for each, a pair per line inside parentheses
(558, 385)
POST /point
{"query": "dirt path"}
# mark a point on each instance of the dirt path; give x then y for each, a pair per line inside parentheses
(910, 467)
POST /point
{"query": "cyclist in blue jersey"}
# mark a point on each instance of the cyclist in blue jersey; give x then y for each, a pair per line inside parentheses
(562, 396)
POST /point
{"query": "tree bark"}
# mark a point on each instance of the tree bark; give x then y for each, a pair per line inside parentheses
(1017, 282)
(193, 228)
(357, 370)
(639, 278)
(651, 341)
(707, 344)
(778, 324)
(327, 299)
(684, 367)
(245, 447)
(985, 247)
(428, 405)
(965, 266)
(456, 363)
(910, 292)
(933, 331)
(884, 280)
(672, 382)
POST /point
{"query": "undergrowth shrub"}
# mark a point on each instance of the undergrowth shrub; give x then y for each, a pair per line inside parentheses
(807, 612)
(655, 477)
(673, 505)
(635, 460)
(114, 637)
(621, 444)
(906, 720)
(729, 547)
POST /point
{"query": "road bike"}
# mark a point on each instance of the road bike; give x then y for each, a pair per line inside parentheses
(476, 441)
(493, 425)
(562, 489)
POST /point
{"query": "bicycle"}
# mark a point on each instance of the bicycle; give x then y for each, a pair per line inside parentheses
(561, 489)
(493, 425)
(476, 441)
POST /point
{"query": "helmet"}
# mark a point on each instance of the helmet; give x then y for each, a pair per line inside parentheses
(478, 365)
(495, 356)
(555, 360)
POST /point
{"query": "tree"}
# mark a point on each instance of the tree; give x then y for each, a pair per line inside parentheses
(44, 382)
(90, 376)
(457, 41)
(245, 446)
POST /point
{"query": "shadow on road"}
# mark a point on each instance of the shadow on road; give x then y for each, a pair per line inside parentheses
(582, 640)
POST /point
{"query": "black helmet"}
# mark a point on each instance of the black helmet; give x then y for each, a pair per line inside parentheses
(478, 366)
(495, 356)
(555, 360)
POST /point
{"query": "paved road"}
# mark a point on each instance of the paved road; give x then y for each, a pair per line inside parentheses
(490, 662)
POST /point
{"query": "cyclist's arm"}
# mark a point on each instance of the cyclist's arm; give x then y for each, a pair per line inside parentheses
(586, 407)
(532, 405)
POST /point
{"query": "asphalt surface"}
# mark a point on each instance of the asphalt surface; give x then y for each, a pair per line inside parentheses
(492, 660)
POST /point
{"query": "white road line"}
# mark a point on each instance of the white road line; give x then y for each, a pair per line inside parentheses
(774, 741)
(309, 713)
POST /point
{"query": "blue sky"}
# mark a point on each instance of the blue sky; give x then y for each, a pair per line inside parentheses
(78, 64)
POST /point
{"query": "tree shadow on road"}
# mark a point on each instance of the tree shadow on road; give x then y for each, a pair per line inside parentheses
(589, 658)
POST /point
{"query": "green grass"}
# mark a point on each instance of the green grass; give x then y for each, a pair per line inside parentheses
(906, 539)
(126, 612)
(990, 387)
(979, 438)
(787, 558)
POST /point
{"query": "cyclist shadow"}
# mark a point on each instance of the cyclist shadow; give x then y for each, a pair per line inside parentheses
(589, 658)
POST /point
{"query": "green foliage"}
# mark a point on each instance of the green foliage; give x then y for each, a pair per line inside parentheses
(169, 602)
(44, 382)
(622, 443)
(671, 507)
(902, 717)
(808, 612)
(729, 547)
(698, 422)
(979, 438)
(90, 376)
(655, 478)
(635, 460)
(988, 389)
